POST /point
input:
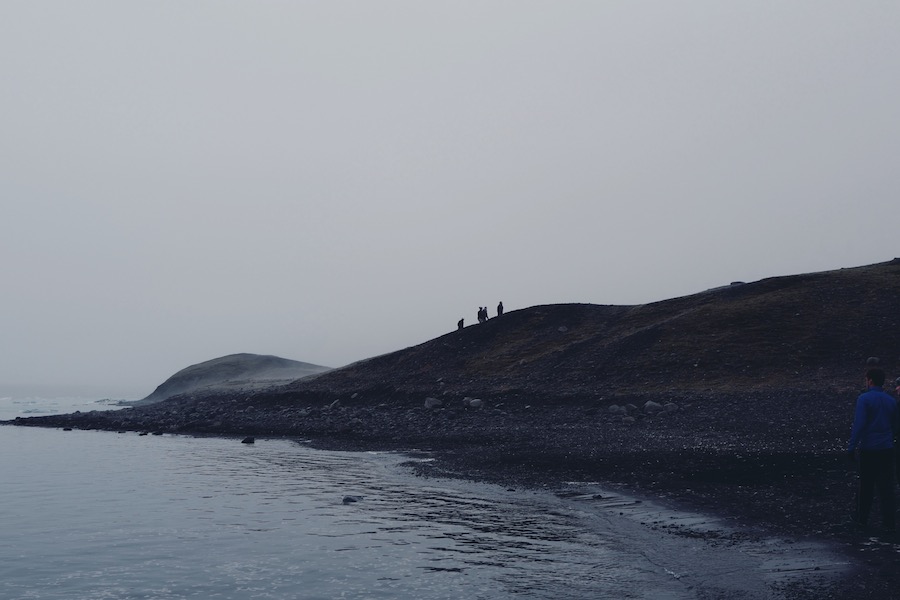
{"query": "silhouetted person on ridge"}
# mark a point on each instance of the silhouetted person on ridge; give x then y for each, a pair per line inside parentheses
(500, 308)
(459, 324)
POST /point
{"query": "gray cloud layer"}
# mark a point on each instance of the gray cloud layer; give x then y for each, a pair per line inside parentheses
(326, 181)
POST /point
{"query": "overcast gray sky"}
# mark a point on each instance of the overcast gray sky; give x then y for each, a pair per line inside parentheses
(328, 181)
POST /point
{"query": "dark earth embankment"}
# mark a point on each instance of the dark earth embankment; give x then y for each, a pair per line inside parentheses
(754, 383)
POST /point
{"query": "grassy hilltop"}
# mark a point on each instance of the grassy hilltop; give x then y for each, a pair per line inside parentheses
(810, 332)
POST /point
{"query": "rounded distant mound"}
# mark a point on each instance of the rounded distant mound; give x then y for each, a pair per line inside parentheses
(235, 371)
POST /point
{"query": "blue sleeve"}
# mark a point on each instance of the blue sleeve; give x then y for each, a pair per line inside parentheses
(859, 424)
(895, 421)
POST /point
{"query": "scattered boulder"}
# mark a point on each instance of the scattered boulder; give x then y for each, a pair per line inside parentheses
(615, 409)
(433, 403)
(473, 402)
(248, 440)
(670, 407)
(651, 407)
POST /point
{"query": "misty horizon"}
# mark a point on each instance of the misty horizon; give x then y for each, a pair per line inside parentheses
(332, 182)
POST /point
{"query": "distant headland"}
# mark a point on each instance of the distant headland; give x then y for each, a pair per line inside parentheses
(245, 372)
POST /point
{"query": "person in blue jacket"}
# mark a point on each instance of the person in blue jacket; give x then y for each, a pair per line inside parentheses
(875, 422)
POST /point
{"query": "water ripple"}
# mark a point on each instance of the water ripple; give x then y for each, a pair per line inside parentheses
(102, 515)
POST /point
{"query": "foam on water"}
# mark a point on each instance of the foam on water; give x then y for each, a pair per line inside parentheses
(26, 405)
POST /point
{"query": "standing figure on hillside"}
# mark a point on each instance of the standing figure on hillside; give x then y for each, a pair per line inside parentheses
(500, 308)
(481, 314)
(871, 447)
(459, 324)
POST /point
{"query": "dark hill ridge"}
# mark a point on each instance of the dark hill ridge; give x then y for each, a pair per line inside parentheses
(244, 371)
(808, 332)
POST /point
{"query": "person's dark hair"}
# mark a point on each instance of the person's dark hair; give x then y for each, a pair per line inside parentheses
(876, 376)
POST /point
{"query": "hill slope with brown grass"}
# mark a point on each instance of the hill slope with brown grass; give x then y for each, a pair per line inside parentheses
(811, 332)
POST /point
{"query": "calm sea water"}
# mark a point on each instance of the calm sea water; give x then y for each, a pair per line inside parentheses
(100, 515)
